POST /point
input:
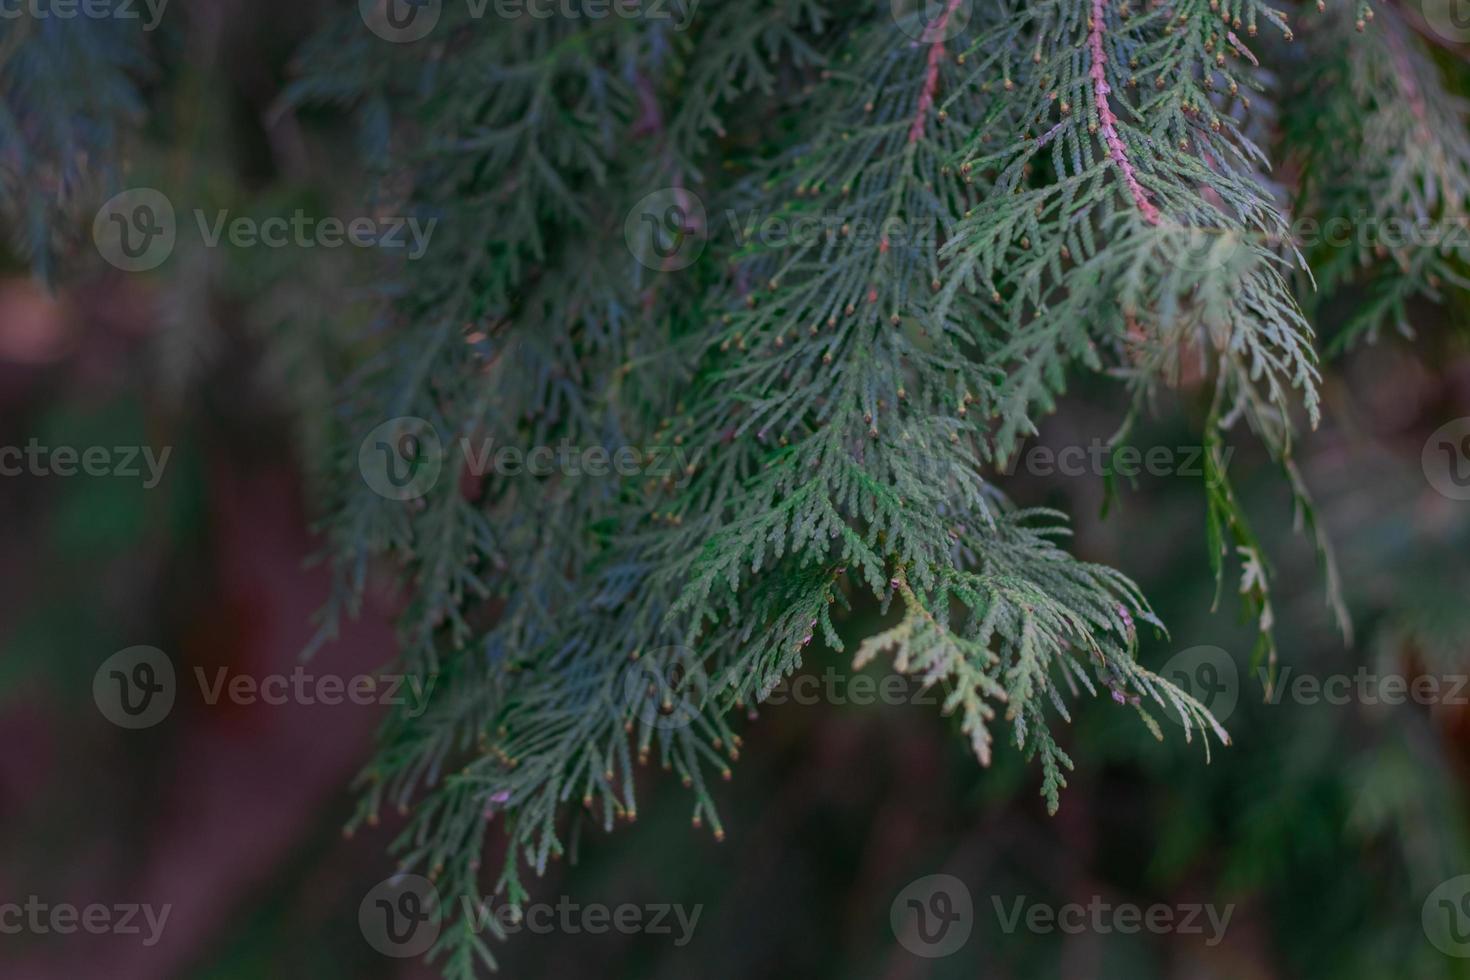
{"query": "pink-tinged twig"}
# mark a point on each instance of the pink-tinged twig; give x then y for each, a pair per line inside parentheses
(1239, 46)
(1107, 122)
(935, 38)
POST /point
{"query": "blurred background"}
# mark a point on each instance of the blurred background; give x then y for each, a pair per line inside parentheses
(1331, 831)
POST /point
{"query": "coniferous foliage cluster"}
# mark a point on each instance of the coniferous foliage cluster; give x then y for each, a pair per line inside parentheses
(836, 262)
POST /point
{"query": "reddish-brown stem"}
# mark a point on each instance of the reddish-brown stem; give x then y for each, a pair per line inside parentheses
(1107, 122)
(935, 36)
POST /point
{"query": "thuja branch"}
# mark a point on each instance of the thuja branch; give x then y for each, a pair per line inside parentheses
(1107, 122)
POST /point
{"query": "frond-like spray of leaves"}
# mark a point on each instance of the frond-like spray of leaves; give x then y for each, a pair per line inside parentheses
(1128, 225)
(1384, 156)
(68, 96)
(972, 206)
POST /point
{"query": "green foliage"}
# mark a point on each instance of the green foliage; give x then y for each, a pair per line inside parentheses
(1384, 157)
(922, 230)
(69, 96)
